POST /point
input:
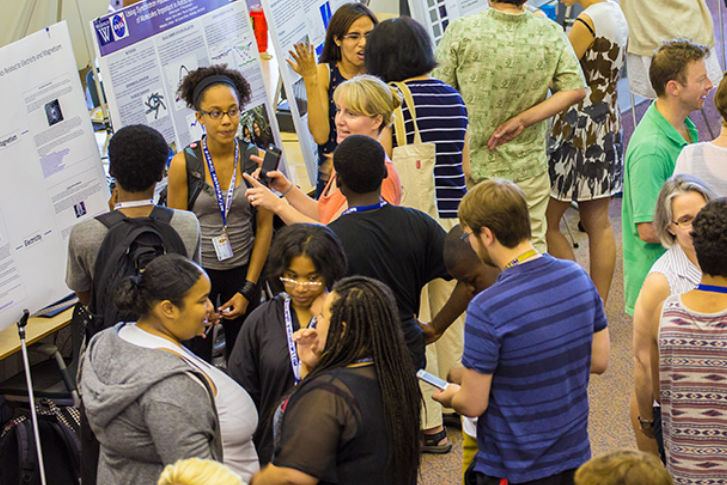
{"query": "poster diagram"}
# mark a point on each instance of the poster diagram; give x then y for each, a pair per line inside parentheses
(435, 15)
(160, 42)
(53, 173)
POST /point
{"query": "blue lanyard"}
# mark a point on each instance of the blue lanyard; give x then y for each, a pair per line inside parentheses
(224, 205)
(364, 208)
(712, 288)
(292, 350)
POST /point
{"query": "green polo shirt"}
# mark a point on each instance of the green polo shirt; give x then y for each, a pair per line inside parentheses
(503, 64)
(650, 159)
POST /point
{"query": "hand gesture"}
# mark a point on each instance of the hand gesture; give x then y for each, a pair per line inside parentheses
(304, 59)
(234, 307)
(308, 346)
(445, 397)
(506, 132)
(261, 196)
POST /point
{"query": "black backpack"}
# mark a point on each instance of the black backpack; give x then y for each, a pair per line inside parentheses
(129, 245)
(58, 430)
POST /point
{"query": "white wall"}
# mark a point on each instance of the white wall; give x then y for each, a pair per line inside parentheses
(19, 18)
(385, 6)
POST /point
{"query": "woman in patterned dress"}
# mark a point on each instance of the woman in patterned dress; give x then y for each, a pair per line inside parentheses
(586, 150)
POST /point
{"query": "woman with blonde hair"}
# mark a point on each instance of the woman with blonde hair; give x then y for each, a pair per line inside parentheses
(195, 471)
(365, 106)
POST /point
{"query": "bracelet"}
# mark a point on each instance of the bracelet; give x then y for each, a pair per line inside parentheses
(287, 190)
(248, 290)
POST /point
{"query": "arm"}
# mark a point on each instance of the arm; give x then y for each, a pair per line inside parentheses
(177, 190)
(316, 82)
(647, 233)
(299, 208)
(654, 290)
(471, 398)
(600, 351)
(278, 475)
(510, 129)
(260, 249)
(454, 307)
(580, 37)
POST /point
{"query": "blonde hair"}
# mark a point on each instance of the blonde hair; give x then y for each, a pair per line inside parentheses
(370, 96)
(195, 471)
(623, 467)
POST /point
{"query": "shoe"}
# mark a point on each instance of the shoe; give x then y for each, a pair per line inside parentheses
(431, 443)
(452, 420)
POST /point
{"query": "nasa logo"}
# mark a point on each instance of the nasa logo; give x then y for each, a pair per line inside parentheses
(118, 23)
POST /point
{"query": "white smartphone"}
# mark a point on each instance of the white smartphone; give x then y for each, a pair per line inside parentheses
(432, 379)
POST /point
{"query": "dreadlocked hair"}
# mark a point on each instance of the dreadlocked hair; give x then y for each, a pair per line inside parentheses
(373, 329)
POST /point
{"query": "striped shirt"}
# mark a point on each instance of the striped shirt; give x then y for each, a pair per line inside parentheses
(442, 120)
(532, 331)
(681, 274)
(693, 389)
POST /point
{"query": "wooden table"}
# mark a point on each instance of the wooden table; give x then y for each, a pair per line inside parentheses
(36, 329)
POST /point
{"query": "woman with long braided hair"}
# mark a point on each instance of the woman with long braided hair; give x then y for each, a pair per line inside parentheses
(355, 417)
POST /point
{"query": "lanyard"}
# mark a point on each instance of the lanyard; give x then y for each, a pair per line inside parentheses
(133, 203)
(223, 204)
(364, 208)
(521, 258)
(712, 288)
(294, 360)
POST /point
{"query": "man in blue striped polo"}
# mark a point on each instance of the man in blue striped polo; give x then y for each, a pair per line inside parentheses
(531, 341)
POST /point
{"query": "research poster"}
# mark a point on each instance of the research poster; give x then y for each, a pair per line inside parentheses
(435, 15)
(52, 173)
(292, 21)
(146, 49)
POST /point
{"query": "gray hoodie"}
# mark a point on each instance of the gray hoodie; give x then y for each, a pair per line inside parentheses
(147, 407)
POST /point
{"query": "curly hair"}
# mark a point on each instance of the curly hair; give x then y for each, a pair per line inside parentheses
(709, 233)
(195, 471)
(137, 157)
(194, 78)
(360, 161)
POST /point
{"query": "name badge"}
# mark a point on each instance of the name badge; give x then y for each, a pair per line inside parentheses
(222, 247)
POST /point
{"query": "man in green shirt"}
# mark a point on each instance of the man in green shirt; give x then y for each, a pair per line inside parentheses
(679, 78)
(503, 61)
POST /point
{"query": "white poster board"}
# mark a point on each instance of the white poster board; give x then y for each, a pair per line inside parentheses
(435, 15)
(52, 173)
(146, 49)
(290, 22)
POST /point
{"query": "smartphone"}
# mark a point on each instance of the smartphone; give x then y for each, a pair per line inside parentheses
(432, 379)
(270, 163)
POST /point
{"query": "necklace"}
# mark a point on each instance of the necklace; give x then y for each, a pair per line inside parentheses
(521, 258)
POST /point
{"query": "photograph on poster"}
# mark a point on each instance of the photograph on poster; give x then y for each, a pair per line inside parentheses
(255, 127)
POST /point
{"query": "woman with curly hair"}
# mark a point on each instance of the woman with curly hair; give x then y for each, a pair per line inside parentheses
(206, 178)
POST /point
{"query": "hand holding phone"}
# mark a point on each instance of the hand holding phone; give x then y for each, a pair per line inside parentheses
(270, 163)
(433, 380)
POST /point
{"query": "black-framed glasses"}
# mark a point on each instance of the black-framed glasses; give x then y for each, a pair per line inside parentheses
(307, 285)
(356, 36)
(217, 114)
(684, 222)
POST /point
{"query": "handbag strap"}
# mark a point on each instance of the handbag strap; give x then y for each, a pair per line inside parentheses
(399, 113)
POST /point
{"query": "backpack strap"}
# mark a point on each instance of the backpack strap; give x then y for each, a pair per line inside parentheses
(194, 162)
(163, 214)
(110, 219)
(26, 451)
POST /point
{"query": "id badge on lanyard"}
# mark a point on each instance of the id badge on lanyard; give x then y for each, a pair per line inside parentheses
(221, 243)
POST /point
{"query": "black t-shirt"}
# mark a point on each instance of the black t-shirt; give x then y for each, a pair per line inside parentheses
(333, 429)
(401, 247)
(260, 363)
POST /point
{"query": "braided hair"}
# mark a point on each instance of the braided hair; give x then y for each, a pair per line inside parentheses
(373, 329)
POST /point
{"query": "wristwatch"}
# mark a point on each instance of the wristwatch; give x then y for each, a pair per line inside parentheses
(645, 424)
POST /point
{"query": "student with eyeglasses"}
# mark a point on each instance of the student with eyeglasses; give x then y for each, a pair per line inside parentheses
(308, 259)
(342, 58)
(206, 178)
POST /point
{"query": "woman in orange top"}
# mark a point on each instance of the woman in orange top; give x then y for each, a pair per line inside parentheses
(365, 106)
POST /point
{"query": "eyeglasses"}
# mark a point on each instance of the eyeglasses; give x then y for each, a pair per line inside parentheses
(356, 36)
(216, 114)
(307, 285)
(465, 236)
(685, 222)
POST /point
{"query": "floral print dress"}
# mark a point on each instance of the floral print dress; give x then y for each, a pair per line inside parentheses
(586, 144)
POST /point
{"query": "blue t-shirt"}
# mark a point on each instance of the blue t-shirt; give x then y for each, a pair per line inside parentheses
(533, 330)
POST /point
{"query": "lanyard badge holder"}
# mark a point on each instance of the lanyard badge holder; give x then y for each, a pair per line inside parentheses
(221, 243)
